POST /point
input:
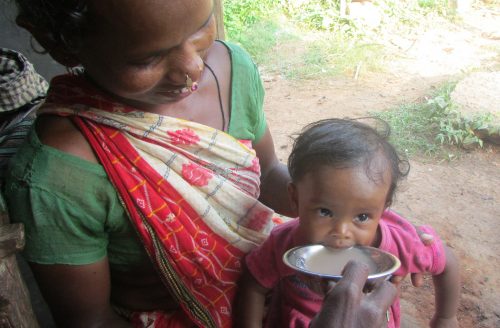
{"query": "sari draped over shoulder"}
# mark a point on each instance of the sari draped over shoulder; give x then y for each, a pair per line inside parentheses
(191, 192)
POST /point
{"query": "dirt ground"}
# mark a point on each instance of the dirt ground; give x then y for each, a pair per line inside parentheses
(461, 198)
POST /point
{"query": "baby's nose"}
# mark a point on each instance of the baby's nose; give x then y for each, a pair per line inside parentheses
(339, 228)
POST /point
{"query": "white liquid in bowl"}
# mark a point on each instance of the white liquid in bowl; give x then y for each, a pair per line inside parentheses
(331, 262)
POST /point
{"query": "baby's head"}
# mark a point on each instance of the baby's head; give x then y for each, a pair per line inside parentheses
(344, 175)
(141, 51)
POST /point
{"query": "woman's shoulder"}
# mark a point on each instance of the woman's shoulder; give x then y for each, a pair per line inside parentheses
(37, 163)
(247, 95)
(61, 134)
(235, 49)
(240, 58)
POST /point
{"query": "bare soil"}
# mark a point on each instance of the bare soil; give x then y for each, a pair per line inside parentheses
(459, 198)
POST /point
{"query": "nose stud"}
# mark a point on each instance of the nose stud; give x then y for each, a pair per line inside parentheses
(192, 86)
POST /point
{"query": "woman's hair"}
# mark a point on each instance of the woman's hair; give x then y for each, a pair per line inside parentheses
(65, 20)
(346, 143)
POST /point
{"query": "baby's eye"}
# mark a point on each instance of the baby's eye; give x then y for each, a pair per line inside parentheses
(362, 217)
(325, 212)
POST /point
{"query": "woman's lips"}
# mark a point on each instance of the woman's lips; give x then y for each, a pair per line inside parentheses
(180, 91)
(176, 93)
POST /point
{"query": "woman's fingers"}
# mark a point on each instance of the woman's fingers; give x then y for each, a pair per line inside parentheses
(355, 273)
(342, 302)
(397, 280)
(417, 279)
(377, 303)
(346, 305)
(383, 295)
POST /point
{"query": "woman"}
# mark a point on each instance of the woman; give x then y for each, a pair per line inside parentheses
(158, 149)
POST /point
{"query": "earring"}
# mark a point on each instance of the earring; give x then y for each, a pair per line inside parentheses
(40, 52)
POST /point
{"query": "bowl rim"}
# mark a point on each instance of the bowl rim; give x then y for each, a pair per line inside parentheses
(388, 273)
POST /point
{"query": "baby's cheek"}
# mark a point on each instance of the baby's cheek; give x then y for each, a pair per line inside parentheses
(368, 237)
(319, 236)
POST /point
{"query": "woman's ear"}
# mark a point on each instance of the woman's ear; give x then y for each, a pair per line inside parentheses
(57, 50)
(294, 198)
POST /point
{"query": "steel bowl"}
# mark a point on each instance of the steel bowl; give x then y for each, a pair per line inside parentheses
(326, 262)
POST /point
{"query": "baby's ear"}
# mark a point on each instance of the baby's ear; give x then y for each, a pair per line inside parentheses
(57, 50)
(294, 198)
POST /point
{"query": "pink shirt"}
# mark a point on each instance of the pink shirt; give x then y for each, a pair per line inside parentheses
(296, 305)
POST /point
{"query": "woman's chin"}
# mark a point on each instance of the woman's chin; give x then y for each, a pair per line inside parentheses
(152, 103)
(171, 96)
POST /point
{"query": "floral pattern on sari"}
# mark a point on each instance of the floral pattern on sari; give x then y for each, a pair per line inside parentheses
(191, 192)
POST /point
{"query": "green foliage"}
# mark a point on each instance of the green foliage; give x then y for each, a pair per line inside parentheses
(318, 40)
(241, 15)
(411, 129)
(253, 25)
(314, 14)
(426, 127)
(259, 40)
(331, 55)
(457, 129)
(440, 6)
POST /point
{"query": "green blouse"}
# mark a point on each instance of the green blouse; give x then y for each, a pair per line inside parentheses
(71, 211)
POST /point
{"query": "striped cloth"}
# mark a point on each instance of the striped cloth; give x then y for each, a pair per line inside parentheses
(22, 90)
(191, 192)
(19, 83)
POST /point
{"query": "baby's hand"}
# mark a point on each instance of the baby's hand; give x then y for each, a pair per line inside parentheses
(438, 322)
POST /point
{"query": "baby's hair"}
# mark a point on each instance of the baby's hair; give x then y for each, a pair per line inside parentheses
(64, 20)
(346, 143)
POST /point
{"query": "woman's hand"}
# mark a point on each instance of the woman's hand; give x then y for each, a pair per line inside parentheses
(438, 322)
(417, 279)
(274, 177)
(346, 306)
(78, 295)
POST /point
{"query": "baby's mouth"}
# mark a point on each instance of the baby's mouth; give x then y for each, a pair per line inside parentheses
(339, 243)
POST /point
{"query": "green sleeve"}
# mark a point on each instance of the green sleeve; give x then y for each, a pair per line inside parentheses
(70, 210)
(58, 231)
(247, 96)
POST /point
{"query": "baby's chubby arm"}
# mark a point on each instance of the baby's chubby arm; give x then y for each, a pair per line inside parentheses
(447, 293)
(250, 302)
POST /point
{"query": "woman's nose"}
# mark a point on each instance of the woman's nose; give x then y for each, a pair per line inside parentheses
(184, 65)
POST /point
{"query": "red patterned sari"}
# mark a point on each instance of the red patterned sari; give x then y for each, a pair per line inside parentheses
(189, 190)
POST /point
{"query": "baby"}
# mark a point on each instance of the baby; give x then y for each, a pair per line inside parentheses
(344, 175)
